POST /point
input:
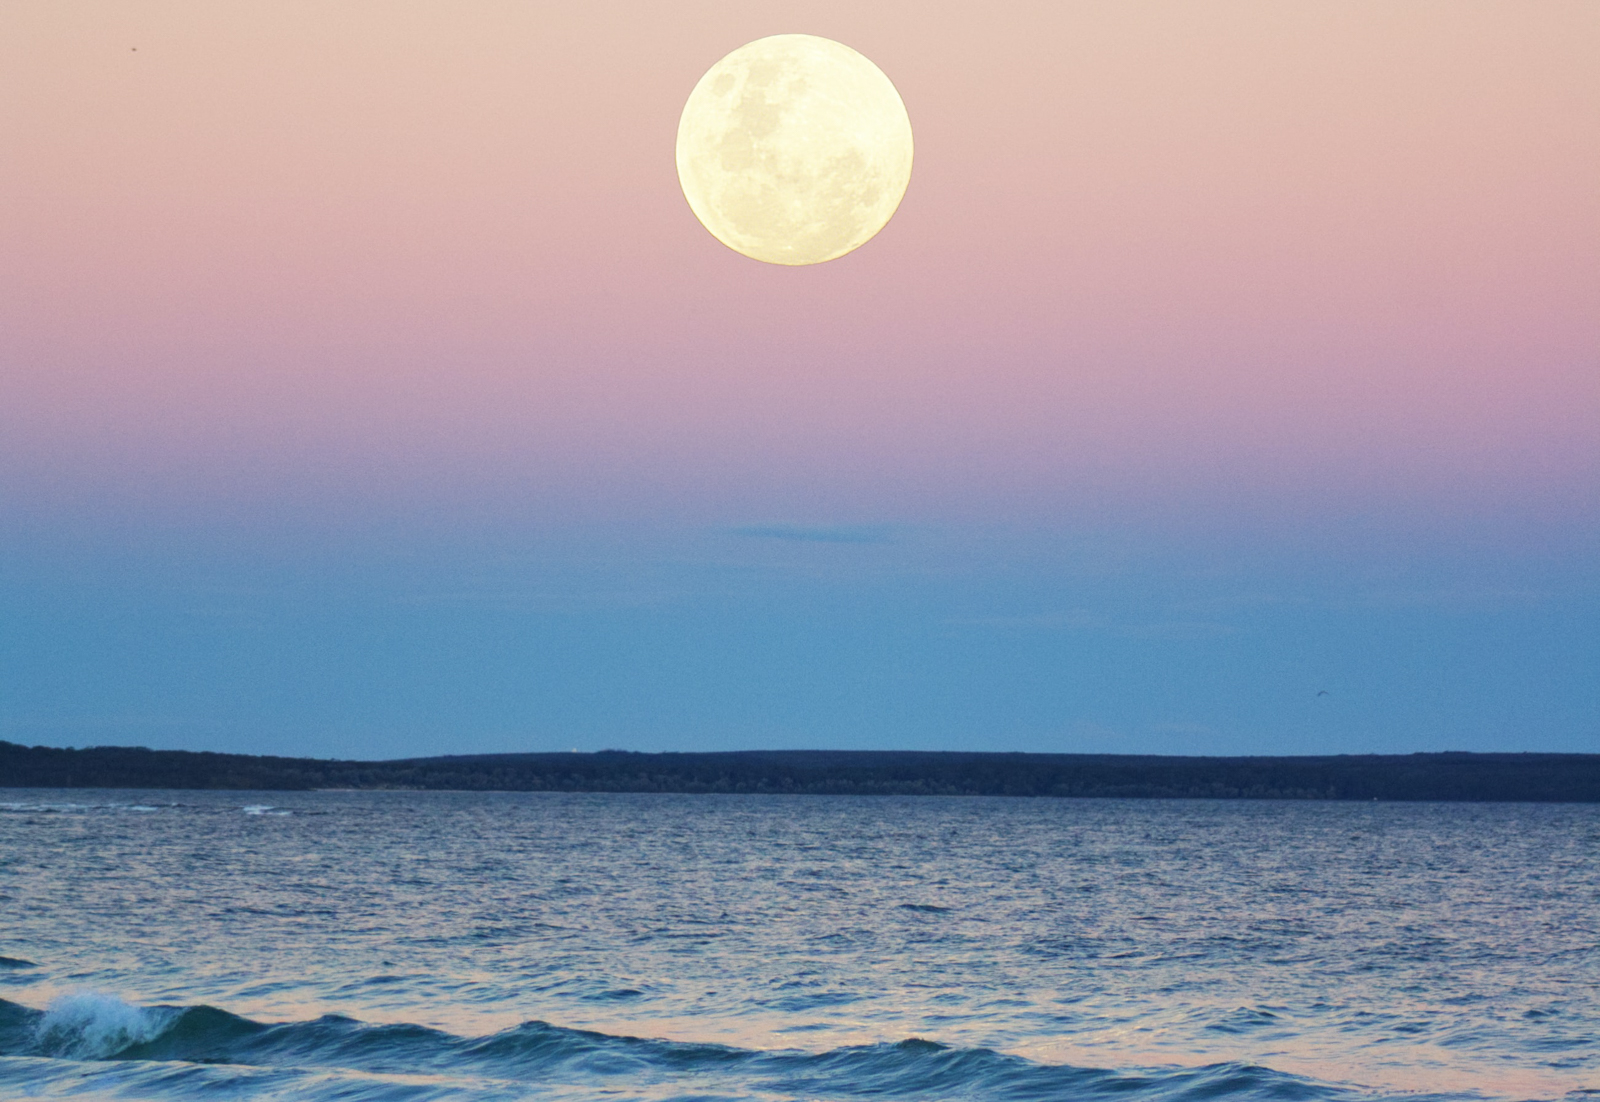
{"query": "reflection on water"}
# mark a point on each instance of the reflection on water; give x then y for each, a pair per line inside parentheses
(1438, 948)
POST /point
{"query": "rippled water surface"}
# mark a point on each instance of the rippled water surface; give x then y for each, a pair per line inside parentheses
(453, 945)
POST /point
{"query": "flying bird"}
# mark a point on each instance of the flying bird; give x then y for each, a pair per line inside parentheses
(1323, 692)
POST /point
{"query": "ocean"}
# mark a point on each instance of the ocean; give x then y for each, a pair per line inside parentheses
(410, 945)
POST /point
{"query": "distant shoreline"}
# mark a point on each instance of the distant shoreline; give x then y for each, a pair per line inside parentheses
(1543, 778)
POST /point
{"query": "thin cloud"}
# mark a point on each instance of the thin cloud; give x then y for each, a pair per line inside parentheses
(823, 533)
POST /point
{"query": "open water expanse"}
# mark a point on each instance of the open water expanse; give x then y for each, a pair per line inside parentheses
(404, 945)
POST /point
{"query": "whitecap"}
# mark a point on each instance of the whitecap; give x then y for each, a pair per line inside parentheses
(89, 1025)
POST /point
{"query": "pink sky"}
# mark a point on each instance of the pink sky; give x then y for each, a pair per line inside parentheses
(1149, 250)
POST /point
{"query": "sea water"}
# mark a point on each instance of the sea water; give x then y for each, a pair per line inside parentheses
(405, 945)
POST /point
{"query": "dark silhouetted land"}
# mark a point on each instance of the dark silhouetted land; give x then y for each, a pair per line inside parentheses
(1451, 776)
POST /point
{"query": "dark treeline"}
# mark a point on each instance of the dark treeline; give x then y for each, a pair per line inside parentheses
(1452, 776)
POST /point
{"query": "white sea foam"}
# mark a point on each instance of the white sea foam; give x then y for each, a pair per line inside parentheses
(264, 809)
(90, 1025)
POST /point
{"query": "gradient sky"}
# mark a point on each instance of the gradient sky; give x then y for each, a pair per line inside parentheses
(368, 388)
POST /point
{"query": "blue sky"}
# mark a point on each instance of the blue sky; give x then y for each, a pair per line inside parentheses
(399, 639)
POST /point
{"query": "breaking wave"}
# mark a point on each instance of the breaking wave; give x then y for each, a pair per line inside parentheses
(86, 1037)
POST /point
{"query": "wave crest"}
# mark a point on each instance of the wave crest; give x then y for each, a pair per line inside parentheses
(87, 1025)
(93, 1027)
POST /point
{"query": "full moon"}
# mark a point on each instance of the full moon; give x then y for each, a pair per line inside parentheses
(794, 149)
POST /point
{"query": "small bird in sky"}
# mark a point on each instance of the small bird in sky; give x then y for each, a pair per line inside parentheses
(1322, 692)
